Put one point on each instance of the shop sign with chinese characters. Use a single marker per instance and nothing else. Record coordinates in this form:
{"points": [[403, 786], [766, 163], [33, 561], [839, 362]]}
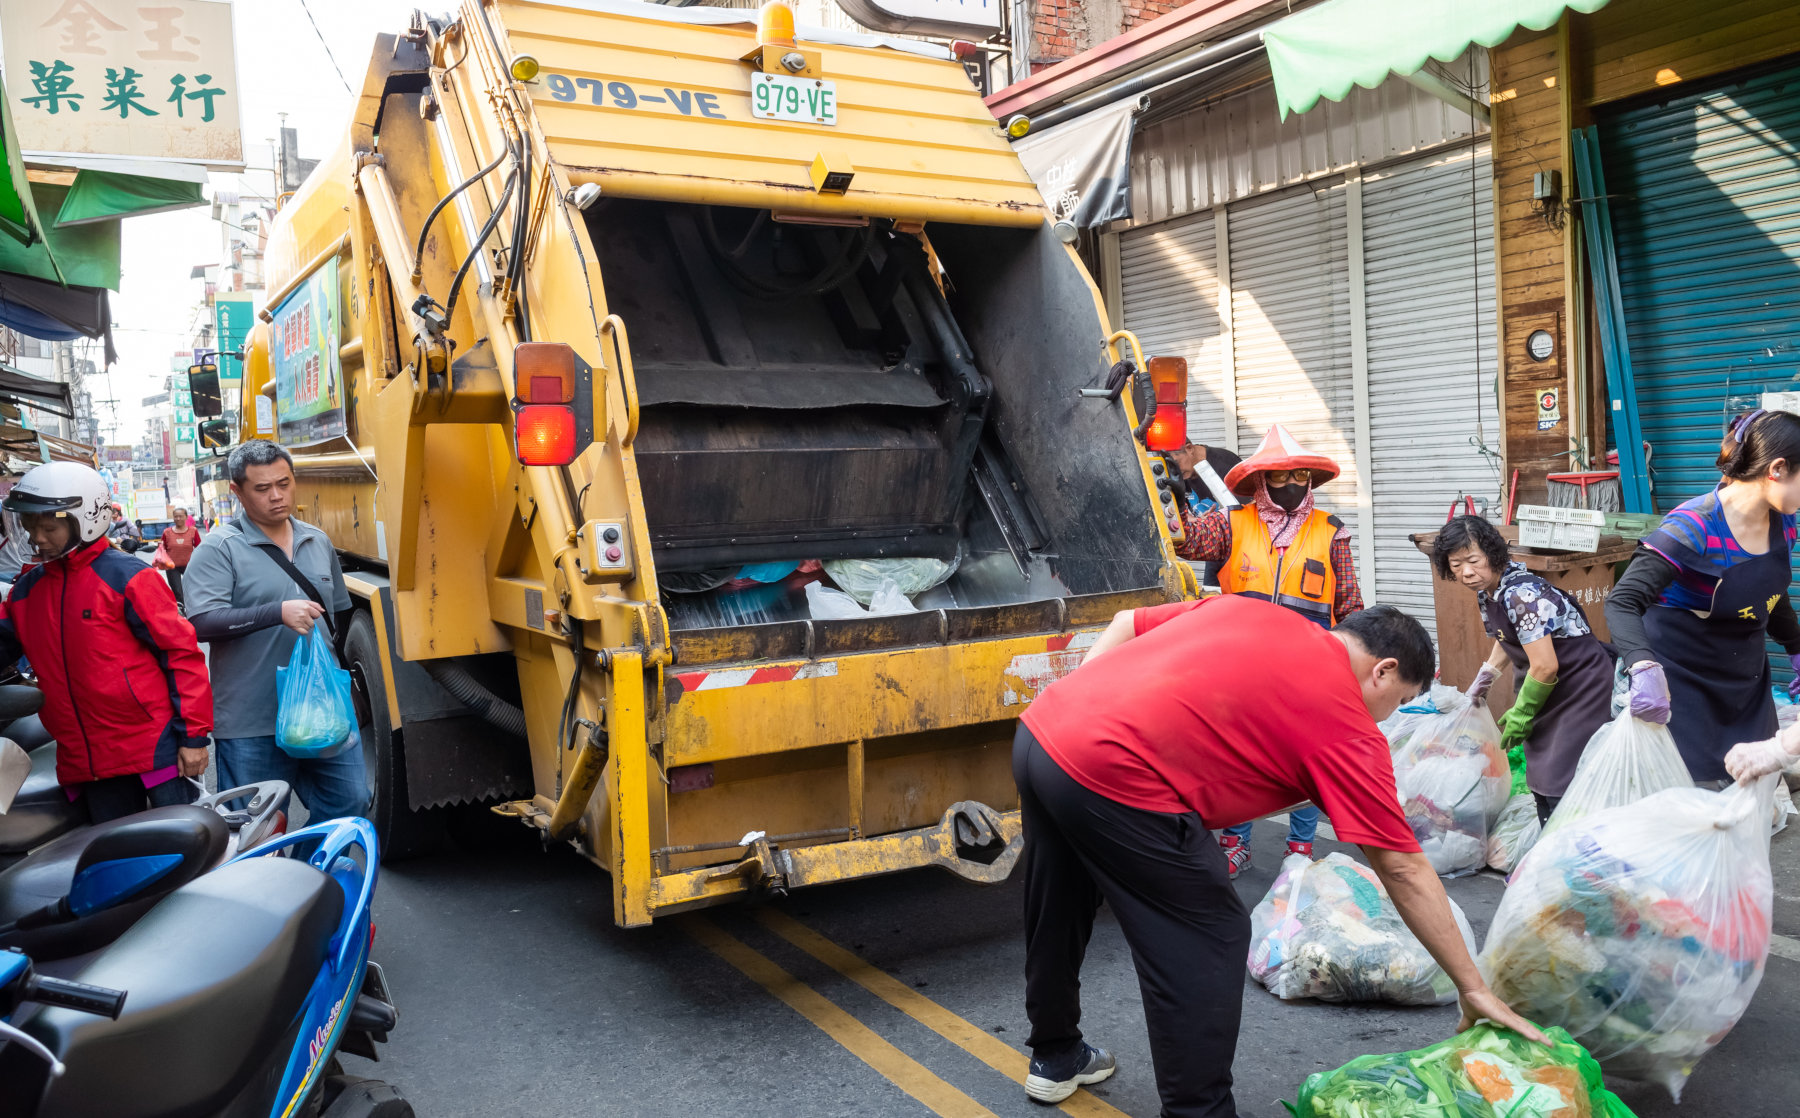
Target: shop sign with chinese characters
{"points": [[141, 78]]}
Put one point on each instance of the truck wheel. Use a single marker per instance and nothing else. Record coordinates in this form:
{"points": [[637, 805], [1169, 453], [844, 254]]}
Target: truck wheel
{"points": [[400, 831]]}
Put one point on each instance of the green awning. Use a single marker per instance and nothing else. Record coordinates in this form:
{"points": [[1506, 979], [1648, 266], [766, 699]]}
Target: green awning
{"points": [[100, 195], [80, 254], [1325, 50], [18, 217]]}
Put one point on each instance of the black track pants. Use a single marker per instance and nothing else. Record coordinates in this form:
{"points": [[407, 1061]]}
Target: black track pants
{"points": [[1165, 879]]}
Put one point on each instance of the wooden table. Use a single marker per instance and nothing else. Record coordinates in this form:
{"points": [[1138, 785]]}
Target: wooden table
{"points": [[1463, 643]]}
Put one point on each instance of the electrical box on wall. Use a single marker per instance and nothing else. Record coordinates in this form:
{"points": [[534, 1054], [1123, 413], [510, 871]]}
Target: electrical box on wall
{"points": [[1546, 186], [1535, 364]]}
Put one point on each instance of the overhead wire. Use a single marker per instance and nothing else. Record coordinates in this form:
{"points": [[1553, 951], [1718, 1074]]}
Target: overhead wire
{"points": [[327, 46]]}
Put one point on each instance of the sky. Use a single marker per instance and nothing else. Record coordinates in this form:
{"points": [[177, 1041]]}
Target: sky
{"points": [[282, 68]]}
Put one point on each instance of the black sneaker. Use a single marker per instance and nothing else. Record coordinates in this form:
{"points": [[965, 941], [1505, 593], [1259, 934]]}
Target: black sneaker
{"points": [[1052, 1081]]}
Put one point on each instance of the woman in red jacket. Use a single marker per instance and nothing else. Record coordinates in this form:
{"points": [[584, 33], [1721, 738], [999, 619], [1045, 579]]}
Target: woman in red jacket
{"points": [[125, 688], [179, 542]]}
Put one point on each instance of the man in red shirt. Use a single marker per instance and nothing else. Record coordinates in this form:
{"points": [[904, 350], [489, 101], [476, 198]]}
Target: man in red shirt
{"points": [[1126, 764], [179, 543]]}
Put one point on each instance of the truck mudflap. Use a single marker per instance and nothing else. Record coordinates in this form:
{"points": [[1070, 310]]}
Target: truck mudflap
{"points": [[973, 841]]}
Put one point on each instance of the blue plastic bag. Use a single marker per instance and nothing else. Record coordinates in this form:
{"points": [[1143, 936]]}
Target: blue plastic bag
{"points": [[315, 715]]}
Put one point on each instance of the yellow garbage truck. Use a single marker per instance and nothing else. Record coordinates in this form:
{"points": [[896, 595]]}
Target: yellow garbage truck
{"points": [[627, 353]]}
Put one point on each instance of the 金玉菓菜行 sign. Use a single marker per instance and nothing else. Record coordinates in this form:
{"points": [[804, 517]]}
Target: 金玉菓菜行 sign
{"points": [[139, 78], [303, 348]]}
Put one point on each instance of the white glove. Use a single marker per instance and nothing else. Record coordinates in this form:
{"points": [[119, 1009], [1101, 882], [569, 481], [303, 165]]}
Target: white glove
{"points": [[1751, 760]]}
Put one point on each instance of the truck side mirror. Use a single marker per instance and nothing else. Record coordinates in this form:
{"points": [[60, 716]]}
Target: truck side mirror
{"points": [[213, 434], [203, 386]]}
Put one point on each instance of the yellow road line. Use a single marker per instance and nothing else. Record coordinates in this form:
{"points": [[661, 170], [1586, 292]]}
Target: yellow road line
{"points": [[902, 1070], [989, 1049]]}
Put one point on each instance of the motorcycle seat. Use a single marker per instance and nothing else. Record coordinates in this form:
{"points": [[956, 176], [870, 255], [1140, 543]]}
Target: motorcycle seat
{"points": [[43, 877], [215, 976], [29, 733], [41, 810]]}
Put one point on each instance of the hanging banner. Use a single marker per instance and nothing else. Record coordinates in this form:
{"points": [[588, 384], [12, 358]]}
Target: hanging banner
{"points": [[309, 397], [233, 316], [1083, 167], [124, 77]]}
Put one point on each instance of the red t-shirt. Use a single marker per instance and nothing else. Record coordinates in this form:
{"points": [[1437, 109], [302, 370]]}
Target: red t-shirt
{"points": [[1232, 707], [180, 543]]}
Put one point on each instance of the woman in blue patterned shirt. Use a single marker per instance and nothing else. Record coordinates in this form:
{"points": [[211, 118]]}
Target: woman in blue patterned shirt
{"points": [[1707, 589]]}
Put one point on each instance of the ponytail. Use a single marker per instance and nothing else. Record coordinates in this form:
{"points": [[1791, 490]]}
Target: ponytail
{"points": [[1758, 439]]}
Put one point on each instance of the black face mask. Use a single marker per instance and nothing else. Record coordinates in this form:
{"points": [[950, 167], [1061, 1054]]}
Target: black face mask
{"points": [[1288, 496]]}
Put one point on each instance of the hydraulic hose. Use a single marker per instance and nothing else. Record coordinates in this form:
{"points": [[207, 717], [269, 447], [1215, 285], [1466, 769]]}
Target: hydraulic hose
{"points": [[467, 690], [481, 238], [425, 230]]}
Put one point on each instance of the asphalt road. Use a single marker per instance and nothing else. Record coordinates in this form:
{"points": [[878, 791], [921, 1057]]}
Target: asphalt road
{"points": [[899, 996]]}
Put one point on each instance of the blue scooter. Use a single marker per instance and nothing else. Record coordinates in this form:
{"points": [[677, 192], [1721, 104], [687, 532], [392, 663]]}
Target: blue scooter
{"points": [[231, 997]]}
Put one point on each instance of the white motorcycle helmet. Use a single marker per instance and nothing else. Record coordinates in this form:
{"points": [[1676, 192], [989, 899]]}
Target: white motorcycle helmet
{"points": [[64, 489]]}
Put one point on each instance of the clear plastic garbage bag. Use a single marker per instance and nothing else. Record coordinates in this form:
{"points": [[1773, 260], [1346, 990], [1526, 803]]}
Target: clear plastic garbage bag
{"points": [[862, 578], [315, 715], [826, 604], [1482, 1073], [1642, 929], [1328, 930], [1626, 760], [1453, 779], [1515, 833]]}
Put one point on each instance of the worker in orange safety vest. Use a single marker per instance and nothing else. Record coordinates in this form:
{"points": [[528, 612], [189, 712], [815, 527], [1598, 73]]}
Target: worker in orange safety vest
{"points": [[1279, 546]]}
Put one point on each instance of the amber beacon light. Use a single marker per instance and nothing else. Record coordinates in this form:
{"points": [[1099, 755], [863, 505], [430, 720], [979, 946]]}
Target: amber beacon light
{"points": [[775, 25]]}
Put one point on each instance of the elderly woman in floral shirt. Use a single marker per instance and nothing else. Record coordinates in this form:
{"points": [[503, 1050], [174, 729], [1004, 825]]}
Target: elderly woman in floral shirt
{"points": [[1565, 673]]}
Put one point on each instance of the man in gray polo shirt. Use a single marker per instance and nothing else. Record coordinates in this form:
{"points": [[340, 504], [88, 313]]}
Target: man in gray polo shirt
{"points": [[251, 611]]}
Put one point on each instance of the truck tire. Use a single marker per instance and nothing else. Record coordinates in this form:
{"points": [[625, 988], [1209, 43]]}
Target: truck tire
{"points": [[400, 831]]}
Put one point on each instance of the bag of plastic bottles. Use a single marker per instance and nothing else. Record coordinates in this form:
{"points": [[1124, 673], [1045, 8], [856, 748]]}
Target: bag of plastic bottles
{"points": [[315, 715], [1328, 930], [1482, 1073], [1515, 834], [1626, 760], [1453, 780], [1642, 929]]}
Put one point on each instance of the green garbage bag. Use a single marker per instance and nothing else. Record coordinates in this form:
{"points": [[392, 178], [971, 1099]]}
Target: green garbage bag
{"points": [[1483, 1073]]}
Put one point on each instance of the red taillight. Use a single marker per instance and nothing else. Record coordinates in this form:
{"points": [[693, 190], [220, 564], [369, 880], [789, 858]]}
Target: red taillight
{"points": [[544, 435], [1168, 427]]}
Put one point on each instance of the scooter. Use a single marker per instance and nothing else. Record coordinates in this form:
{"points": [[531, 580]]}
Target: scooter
{"points": [[47, 843], [231, 997]]}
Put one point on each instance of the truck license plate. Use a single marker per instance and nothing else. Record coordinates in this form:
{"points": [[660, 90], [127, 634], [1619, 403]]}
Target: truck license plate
{"points": [[782, 97]]}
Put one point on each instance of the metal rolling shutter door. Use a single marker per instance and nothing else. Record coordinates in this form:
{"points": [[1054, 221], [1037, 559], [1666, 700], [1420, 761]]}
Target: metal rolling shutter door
{"points": [[1290, 305], [1706, 217], [1428, 265], [1169, 292]]}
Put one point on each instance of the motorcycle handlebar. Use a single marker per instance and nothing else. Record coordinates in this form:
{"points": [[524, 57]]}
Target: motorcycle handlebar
{"points": [[98, 1000]]}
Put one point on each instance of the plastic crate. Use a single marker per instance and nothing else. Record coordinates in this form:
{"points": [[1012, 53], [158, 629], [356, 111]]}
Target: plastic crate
{"points": [[1549, 528]]}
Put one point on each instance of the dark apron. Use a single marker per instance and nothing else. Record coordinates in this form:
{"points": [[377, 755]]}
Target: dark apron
{"points": [[1579, 704], [1718, 666]]}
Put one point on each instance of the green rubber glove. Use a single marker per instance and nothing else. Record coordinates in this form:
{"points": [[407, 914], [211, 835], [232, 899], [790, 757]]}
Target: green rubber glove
{"points": [[1515, 724], [1515, 758]]}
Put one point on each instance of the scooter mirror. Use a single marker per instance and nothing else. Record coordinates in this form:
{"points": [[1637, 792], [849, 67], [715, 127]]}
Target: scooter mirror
{"points": [[15, 766]]}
